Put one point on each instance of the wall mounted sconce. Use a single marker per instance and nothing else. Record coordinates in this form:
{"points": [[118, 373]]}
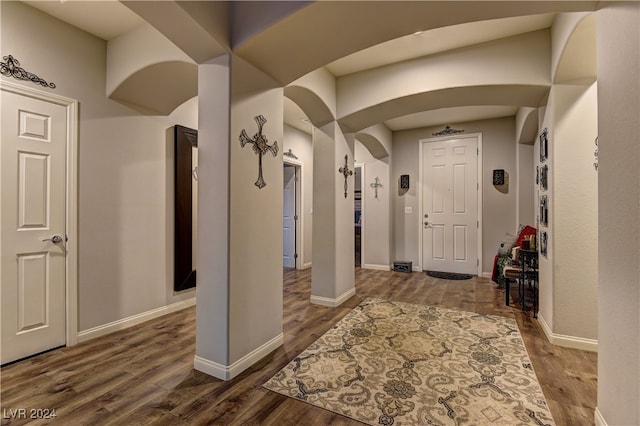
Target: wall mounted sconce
{"points": [[404, 181]]}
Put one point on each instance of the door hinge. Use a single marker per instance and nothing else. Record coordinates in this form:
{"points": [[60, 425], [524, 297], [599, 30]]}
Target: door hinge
{"points": [[295, 217], [477, 262], [295, 255]]}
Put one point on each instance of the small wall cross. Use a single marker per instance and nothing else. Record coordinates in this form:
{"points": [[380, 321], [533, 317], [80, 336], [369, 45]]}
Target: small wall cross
{"points": [[344, 170], [260, 147], [376, 185]]}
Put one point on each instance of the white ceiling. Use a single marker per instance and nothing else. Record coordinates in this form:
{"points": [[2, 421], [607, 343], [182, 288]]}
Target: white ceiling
{"points": [[109, 18]]}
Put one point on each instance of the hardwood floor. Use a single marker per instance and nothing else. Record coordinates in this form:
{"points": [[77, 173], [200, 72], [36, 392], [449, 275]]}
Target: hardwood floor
{"points": [[145, 375]]}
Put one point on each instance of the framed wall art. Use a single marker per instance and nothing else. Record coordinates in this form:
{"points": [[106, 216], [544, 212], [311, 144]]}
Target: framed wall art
{"points": [[544, 145], [404, 181], [543, 243], [544, 177], [544, 210]]}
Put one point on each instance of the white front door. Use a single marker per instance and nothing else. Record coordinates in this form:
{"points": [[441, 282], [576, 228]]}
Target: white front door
{"points": [[450, 205], [34, 144], [288, 217]]}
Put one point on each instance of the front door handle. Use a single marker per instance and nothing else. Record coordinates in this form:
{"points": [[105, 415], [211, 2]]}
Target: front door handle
{"points": [[56, 239]]}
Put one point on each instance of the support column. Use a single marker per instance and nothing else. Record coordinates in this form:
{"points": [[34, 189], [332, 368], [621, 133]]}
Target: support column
{"points": [[332, 279], [618, 39], [239, 288]]}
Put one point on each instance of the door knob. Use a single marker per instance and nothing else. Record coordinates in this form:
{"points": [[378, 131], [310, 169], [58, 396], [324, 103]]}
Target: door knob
{"points": [[55, 239], [426, 223]]}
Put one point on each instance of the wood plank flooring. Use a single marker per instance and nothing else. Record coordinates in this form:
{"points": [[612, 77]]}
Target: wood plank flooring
{"points": [[144, 375]]}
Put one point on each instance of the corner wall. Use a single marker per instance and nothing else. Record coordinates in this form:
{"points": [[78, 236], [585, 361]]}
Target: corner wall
{"points": [[618, 41], [575, 213]]}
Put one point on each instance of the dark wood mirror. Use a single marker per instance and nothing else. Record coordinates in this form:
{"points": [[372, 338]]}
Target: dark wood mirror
{"points": [[185, 178]]}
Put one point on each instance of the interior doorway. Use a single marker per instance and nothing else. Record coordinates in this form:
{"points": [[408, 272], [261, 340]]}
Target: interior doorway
{"points": [[451, 205], [39, 234], [291, 216]]}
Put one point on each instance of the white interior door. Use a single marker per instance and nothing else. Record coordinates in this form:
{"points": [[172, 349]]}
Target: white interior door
{"points": [[288, 217], [34, 143], [450, 206]]}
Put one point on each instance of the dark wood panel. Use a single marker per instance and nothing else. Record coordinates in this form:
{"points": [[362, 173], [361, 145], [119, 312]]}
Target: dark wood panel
{"points": [[145, 375]]}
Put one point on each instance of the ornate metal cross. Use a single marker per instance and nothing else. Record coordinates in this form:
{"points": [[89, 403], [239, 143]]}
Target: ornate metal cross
{"points": [[260, 147], [344, 170], [376, 185]]}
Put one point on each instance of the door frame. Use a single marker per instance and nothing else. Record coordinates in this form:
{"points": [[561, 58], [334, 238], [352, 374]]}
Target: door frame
{"points": [[299, 176], [421, 142], [71, 202]]}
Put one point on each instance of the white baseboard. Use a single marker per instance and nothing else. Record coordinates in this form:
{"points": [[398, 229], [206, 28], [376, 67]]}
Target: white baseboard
{"points": [[487, 275], [333, 303], [376, 267], [306, 266], [598, 418], [567, 341], [417, 269], [123, 323], [228, 372]]}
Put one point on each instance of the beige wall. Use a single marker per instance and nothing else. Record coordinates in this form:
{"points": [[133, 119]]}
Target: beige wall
{"points": [[212, 323], [375, 237], [124, 198], [618, 42], [239, 311], [568, 284], [333, 243], [526, 184], [255, 225], [575, 212], [545, 263], [499, 209]]}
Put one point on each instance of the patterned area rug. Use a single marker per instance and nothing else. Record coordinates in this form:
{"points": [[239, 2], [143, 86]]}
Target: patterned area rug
{"points": [[394, 363]]}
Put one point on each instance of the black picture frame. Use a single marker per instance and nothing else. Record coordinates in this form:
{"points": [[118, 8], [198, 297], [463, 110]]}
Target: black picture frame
{"points": [[544, 177], [544, 145], [544, 210]]}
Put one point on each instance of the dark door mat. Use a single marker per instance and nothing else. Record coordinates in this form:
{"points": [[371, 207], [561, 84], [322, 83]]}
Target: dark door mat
{"points": [[448, 275]]}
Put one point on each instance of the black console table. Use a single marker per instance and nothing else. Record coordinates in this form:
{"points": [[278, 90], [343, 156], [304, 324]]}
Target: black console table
{"points": [[528, 282]]}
